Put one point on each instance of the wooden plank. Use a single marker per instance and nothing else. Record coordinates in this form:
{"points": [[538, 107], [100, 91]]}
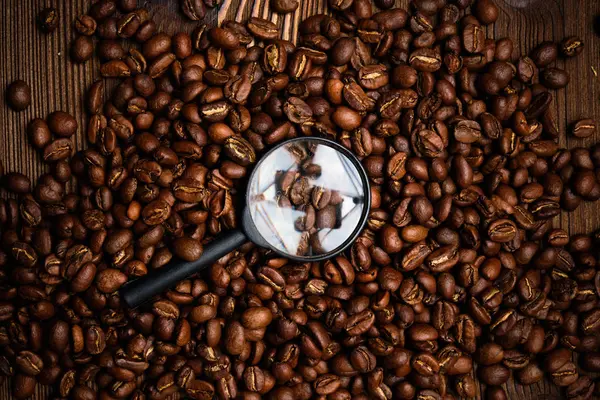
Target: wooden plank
{"points": [[57, 84]]}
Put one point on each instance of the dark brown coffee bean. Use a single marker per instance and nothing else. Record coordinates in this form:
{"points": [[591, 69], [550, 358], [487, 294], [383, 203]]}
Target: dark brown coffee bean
{"points": [[284, 6], [591, 362], [187, 249], [199, 390], [545, 53], [115, 69], [473, 38], [156, 212], [571, 46], [486, 11], [239, 150], [583, 128], [425, 60], [327, 384], [29, 363], [526, 69], [62, 124], [494, 374], [582, 388], [254, 379], [109, 280], [18, 95], [103, 9], [195, 10], [384, 4], [48, 21], [530, 374], [538, 106], [392, 19], [23, 386], [82, 49], [256, 318], [565, 375], [555, 78], [39, 133], [262, 28], [58, 150], [224, 38], [17, 183], [95, 97], [81, 392], [85, 25]]}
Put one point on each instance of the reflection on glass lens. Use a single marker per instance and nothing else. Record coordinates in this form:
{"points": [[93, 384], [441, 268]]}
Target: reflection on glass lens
{"points": [[306, 198]]}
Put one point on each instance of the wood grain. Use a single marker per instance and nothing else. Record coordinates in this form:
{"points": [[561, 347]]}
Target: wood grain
{"points": [[57, 84]]}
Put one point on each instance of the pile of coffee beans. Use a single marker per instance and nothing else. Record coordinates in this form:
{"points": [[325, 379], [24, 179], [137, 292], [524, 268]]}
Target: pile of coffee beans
{"points": [[459, 279]]}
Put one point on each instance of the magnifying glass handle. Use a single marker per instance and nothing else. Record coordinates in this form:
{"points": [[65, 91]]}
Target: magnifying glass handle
{"points": [[157, 281]]}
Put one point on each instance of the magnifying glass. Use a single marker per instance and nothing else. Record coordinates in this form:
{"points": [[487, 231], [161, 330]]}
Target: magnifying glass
{"points": [[307, 199]]}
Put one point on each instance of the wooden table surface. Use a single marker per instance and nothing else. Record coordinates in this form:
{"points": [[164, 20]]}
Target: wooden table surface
{"points": [[57, 84]]}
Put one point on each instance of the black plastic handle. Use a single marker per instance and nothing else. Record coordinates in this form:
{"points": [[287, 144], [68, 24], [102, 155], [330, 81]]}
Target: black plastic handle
{"points": [[141, 290]]}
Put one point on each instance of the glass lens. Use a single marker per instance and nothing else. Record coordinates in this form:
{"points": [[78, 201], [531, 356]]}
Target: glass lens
{"points": [[307, 198]]}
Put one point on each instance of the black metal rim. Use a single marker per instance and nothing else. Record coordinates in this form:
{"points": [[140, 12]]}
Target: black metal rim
{"points": [[367, 189]]}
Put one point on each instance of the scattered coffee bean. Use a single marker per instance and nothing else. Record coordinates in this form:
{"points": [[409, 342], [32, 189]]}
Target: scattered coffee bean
{"points": [[284, 6], [584, 128], [18, 95], [48, 19], [571, 46]]}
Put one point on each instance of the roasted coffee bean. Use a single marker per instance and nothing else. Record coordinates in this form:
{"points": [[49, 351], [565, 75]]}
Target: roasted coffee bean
{"points": [[583, 128], [23, 386], [39, 133], [17, 183], [473, 38], [458, 262], [284, 6], [18, 95], [58, 150], [62, 124], [486, 11], [256, 318], [29, 363], [187, 249], [555, 78], [82, 49], [571, 46], [109, 280], [544, 54], [262, 28], [115, 69], [195, 10], [48, 20], [85, 25], [530, 374], [494, 374]]}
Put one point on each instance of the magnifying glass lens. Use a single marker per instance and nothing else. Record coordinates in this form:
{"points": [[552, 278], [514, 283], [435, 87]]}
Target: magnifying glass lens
{"points": [[307, 199]]}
